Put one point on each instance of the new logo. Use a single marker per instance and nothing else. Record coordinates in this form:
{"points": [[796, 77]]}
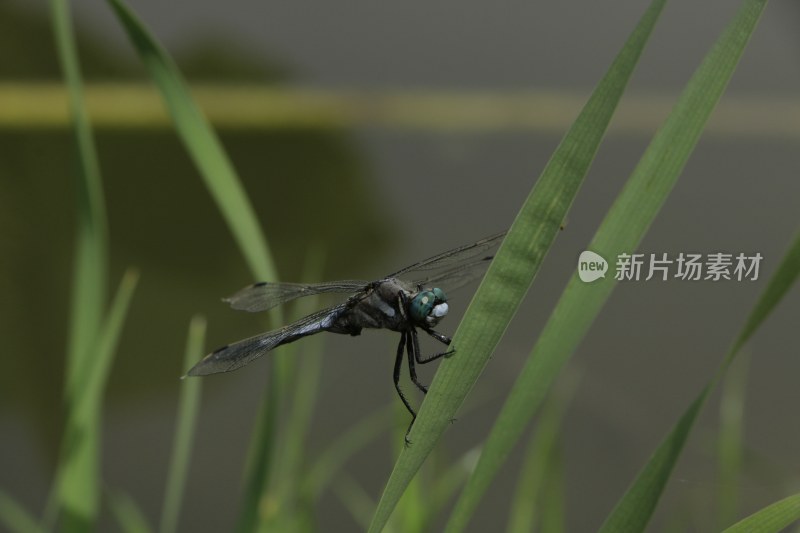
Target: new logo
{"points": [[591, 266]]}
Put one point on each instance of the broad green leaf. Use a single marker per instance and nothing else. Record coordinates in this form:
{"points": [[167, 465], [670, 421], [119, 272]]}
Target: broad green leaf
{"points": [[184, 431], [514, 267]]}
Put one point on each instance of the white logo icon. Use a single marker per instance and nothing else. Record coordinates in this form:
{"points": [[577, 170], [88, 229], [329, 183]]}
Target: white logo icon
{"points": [[591, 266]]}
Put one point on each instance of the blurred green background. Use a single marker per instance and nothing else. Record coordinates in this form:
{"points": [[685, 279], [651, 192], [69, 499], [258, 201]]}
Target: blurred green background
{"points": [[374, 195]]}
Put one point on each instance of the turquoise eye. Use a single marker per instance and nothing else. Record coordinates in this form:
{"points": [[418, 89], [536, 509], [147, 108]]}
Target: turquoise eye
{"points": [[439, 294], [422, 305]]}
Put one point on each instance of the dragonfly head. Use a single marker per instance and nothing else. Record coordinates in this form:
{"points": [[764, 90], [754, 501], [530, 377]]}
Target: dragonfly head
{"points": [[428, 307]]}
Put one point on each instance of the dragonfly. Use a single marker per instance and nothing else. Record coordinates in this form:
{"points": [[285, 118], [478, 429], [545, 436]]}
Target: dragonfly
{"points": [[406, 301]]}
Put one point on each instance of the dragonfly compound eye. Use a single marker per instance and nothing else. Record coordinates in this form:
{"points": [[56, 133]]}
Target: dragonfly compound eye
{"points": [[429, 307]]}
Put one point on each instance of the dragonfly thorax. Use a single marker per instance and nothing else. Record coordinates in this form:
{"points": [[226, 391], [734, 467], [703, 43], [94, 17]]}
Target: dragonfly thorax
{"points": [[428, 307]]}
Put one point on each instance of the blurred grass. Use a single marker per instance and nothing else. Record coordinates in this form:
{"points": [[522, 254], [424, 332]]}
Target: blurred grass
{"points": [[292, 484], [186, 418], [242, 107], [536, 497], [78, 475], [16, 518], [128, 515], [730, 442], [636, 506], [93, 335], [226, 189]]}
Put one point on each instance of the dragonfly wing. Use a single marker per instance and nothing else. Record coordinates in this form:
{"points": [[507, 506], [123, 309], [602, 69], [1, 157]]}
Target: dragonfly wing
{"points": [[266, 295], [454, 268], [238, 354], [483, 249], [457, 276]]}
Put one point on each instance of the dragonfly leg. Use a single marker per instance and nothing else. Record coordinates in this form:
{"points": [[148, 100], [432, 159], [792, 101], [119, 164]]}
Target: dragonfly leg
{"points": [[398, 364], [444, 339], [438, 336], [413, 355]]}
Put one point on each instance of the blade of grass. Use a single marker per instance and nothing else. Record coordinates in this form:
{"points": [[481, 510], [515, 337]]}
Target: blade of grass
{"points": [[128, 515], [225, 187], [89, 276], [356, 500], [771, 519], [730, 448], [553, 504], [514, 267], [335, 455], [78, 475], [91, 261], [633, 511], [15, 517], [447, 484], [621, 231], [410, 513], [184, 432], [202, 144], [541, 452], [303, 374]]}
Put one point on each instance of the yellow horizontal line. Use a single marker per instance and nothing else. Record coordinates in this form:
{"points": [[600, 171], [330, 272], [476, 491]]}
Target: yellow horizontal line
{"points": [[25, 106]]}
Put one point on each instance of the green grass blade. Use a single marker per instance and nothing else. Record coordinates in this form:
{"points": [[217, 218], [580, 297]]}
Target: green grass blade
{"points": [[553, 508], [533, 480], [259, 458], [621, 231], [332, 459], [305, 371], [730, 445], [184, 432], [635, 508], [779, 284], [356, 500], [202, 144], [220, 177], [15, 517], [78, 476], [128, 515], [771, 519], [446, 484], [90, 271], [514, 267], [89, 276]]}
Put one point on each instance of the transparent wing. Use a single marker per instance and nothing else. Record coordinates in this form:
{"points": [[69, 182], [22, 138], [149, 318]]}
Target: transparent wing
{"points": [[240, 353], [454, 268], [266, 295], [457, 276]]}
